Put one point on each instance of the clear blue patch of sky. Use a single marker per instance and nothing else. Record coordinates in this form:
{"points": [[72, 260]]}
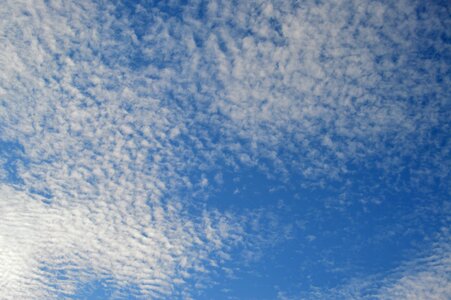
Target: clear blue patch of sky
{"points": [[11, 155]]}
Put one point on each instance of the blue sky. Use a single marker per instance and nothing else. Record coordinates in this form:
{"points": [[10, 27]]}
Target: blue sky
{"points": [[225, 149]]}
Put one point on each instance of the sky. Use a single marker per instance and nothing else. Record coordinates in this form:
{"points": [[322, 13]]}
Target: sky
{"points": [[225, 149]]}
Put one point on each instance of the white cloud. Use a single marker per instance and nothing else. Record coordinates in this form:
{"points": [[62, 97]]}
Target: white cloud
{"points": [[153, 247], [114, 119], [292, 75], [111, 173], [423, 276]]}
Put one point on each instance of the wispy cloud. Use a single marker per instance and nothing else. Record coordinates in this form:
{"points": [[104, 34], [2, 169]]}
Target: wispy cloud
{"points": [[424, 276]]}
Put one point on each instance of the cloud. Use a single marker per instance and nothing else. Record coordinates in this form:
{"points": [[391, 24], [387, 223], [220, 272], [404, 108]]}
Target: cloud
{"points": [[119, 112], [332, 84], [426, 277], [103, 164], [423, 276], [154, 248]]}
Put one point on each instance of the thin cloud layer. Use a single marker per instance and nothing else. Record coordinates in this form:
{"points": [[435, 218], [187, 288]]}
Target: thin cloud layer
{"points": [[425, 276], [117, 114]]}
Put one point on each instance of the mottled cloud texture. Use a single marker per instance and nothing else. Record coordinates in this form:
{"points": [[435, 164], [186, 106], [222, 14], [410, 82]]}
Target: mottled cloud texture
{"points": [[114, 115]]}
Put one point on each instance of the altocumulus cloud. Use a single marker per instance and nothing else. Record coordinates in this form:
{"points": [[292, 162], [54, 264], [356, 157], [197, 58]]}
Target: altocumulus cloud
{"points": [[115, 112], [96, 196]]}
